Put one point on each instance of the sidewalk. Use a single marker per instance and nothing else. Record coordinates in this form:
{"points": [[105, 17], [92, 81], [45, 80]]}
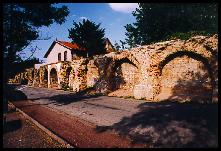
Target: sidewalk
{"points": [[76, 132], [22, 133]]}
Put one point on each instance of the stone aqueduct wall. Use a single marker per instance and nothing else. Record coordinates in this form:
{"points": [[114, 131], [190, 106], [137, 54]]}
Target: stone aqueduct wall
{"points": [[176, 69]]}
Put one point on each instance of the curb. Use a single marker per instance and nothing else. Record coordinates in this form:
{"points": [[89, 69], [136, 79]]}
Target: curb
{"points": [[47, 131]]}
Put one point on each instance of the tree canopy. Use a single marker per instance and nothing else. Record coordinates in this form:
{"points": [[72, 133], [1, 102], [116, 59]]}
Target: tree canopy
{"points": [[20, 27], [116, 46], [156, 22], [89, 36]]}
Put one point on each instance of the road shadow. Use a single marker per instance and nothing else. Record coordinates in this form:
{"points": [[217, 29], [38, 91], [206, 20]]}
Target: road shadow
{"points": [[11, 126], [170, 123], [167, 124], [65, 99], [12, 94]]}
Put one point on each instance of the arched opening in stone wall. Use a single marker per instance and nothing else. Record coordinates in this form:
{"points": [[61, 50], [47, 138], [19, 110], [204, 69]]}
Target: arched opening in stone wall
{"points": [[186, 76], [68, 71], [24, 81], [123, 77], [68, 76], [46, 74], [32, 74], [45, 77], [53, 78]]}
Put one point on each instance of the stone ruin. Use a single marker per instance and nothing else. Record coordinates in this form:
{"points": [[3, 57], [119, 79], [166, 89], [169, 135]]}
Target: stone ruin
{"points": [[180, 70]]}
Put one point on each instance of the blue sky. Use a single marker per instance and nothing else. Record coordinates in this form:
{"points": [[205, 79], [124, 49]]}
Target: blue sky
{"points": [[113, 18]]}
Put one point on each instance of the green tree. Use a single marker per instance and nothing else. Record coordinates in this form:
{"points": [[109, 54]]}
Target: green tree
{"points": [[21, 22], [116, 46], [123, 43], [88, 36], [156, 22]]}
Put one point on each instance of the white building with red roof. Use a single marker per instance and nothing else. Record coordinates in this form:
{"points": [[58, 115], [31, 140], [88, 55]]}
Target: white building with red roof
{"points": [[67, 51], [62, 51]]}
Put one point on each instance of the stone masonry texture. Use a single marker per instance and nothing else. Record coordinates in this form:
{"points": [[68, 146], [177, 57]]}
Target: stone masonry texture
{"points": [[180, 70]]}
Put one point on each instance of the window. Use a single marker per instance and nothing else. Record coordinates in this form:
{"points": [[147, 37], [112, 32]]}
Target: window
{"points": [[59, 56], [65, 56]]}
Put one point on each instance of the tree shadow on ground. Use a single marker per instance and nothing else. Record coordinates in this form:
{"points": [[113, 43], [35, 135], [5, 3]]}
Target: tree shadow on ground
{"points": [[170, 123], [12, 126], [167, 124], [61, 99], [12, 94], [65, 99]]}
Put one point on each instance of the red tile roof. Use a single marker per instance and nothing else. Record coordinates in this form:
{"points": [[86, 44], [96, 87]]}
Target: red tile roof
{"points": [[66, 44], [69, 45]]}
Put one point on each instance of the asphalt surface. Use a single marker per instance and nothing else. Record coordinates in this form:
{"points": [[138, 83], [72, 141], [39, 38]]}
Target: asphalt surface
{"points": [[89, 108], [164, 124]]}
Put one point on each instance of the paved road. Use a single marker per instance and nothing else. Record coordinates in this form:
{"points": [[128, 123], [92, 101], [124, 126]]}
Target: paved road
{"points": [[100, 110], [163, 124]]}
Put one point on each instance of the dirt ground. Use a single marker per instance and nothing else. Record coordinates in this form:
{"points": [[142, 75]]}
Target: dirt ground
{"points": [[20, 132]]}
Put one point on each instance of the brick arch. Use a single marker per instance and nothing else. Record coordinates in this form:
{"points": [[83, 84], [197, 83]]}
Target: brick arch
{"points": [[54, 69], [197, 45], [205, 49], [122, 57], [43, 73], [53, 77], [49, 69], [69, 69], [33, 74], [157, 68], [190, 54], [116, 62], [130, 57]]}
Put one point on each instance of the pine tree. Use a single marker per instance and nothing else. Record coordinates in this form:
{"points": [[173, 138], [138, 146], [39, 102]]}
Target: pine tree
{"points": [[88, 36]]}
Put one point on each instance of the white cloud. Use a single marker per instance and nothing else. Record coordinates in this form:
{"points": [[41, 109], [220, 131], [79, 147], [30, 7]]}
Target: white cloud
{"points": [[124, 7], [82, 18]]}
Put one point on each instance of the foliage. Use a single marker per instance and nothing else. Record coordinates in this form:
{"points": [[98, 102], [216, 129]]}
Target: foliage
{"points": [[156, 22], [116, 46], [22, 65], [123, 43], [20, 27], [64, 86], [185, 36], [88, 36]]}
